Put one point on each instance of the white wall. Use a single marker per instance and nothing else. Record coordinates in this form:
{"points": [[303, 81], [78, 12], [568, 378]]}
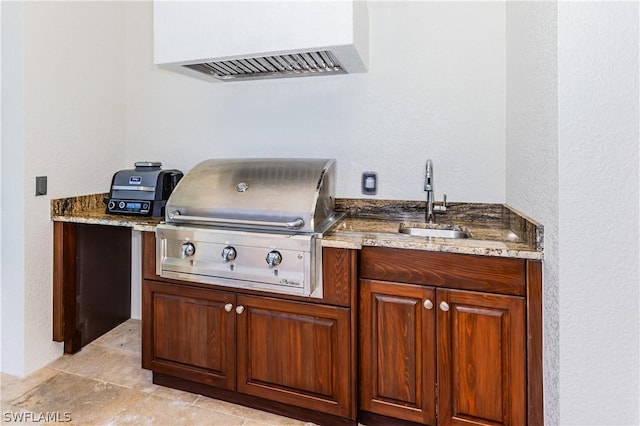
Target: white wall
{"points": [[12, 172], [0, 180], [573, 120], [435, 89], [73, 132], [532, 155], [599, 143]]}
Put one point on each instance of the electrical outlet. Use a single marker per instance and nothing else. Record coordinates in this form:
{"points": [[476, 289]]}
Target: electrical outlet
{"points": [[369, 183], [41, 185]]}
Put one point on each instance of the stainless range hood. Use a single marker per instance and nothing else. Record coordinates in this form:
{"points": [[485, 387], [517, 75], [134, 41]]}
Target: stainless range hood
{"points": [[248, 40]]}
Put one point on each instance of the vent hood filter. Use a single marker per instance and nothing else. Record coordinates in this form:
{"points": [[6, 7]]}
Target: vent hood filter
{"points": [[249, 40], [295, 65]]}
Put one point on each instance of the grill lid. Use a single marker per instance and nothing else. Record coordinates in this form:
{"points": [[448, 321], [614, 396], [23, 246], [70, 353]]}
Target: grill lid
{"points": [[273, 194]]}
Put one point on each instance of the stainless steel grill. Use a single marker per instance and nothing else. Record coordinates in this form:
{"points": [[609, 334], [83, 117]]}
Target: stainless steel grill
{"points": [[291, 65], [250, 223]]}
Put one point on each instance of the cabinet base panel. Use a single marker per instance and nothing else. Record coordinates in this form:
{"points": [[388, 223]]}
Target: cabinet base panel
{"points": [[372, 419], [251, 401]]}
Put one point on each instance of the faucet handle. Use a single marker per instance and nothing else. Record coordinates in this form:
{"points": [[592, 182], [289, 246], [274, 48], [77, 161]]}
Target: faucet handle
{"points": [[443, 207]]}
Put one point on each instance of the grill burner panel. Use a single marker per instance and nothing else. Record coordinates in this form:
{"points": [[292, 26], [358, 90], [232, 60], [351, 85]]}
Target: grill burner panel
{"points": [[196, 254]]}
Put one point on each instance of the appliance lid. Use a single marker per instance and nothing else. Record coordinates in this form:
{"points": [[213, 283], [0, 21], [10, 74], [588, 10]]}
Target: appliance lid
{"points": [[144, 178], [248, 40], [285, 194]]}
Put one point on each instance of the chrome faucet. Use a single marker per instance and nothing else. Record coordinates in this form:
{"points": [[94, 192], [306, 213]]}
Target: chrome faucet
{"points": [[428, 187]]}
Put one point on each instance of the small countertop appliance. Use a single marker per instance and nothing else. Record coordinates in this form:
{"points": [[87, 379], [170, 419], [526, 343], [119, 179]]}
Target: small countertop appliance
{"points": [[143, 191]]}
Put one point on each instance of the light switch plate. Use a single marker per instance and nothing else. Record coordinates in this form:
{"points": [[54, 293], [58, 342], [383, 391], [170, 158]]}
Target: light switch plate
{"points": [[41, 185]]}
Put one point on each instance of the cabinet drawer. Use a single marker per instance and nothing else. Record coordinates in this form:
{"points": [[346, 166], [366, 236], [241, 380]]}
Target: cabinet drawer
{"points": [[461, 271]]}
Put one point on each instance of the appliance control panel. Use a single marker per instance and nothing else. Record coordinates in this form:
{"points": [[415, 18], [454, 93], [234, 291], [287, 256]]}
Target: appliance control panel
{"points": [[129, 206], [280, 263]]}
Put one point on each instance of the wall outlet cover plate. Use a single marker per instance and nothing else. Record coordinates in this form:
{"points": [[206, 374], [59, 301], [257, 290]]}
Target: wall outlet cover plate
{"points": [[369, 183]]}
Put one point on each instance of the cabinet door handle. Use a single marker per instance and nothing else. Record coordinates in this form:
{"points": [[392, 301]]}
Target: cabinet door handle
{"points": [[228, 307], [239, 309], [428, 304], [444, 306]]}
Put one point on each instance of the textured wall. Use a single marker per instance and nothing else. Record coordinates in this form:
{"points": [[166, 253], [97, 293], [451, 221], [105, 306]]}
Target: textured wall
{"points": [[598, 124], [12, 171], [1, 181], [572, 143], [75, 116], [532, 154], [435, 89], [73, 132]]}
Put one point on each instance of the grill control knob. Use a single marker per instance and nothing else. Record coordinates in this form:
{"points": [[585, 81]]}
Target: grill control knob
{"points": [[228, 254], [274, 258], [112, 205], [188, 249]]}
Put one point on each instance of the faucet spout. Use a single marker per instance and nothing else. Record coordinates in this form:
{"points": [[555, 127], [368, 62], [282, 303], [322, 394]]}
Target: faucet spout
{"points": [[428, 187], [428, 176]]}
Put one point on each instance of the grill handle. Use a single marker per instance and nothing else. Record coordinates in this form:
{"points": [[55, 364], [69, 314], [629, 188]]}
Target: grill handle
{"points": [[294, 224]]}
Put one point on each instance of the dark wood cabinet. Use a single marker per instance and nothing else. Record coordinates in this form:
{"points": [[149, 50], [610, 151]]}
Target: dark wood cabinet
{"points": [[432, 354], [189, 333], [296, 353], [292, 352], [481, 359], [397, 351], [287, 351], [429, 338]]}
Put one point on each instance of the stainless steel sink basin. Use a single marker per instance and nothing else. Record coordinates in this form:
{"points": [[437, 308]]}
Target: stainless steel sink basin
{"points": [[434, 230]]}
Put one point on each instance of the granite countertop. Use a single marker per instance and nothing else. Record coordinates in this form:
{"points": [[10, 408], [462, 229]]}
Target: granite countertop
{"points": [[91, 209], [496, 229]]}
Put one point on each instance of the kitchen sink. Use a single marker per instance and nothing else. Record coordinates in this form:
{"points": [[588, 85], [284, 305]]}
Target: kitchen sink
{"points": [[434, 230]]}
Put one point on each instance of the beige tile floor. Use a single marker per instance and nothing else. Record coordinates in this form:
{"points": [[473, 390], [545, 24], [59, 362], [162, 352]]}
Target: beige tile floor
{"points": [[104, 385]]}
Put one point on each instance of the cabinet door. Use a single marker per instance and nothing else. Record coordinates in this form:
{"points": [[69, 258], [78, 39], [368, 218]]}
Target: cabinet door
{"points": [[296, 353], [189, 333], [481, 359], [397, 350]]}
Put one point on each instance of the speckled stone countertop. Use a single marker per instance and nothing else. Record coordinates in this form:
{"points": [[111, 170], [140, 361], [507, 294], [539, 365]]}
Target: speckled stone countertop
{"points": [[496, 229], [91, 209]]}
